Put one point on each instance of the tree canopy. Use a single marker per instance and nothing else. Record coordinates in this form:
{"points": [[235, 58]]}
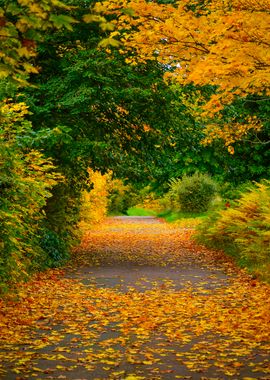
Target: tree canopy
{"points": [[217, 43]]}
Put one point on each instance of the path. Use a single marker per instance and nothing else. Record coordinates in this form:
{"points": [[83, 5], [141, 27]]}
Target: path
{"points": [[138, 301]]}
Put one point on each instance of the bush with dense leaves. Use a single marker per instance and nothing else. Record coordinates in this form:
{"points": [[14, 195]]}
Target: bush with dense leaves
{"points": [[243, 229], [192, 193], [26, 180], [121, 196], [55, 248], [149, 200], [94, 202]]}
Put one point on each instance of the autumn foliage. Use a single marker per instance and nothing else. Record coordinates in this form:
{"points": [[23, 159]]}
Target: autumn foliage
{"points": [[244, 225], [218, 43], [94, 203]]}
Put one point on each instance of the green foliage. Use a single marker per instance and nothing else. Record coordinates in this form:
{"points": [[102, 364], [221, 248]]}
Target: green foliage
{"points": [[243, 229], [23, 23], [250, 161], [231, 192], [106, 103], [55, 251], [136, 211], [118, 200], [192, 193], [171, 216], [121, 197], [26, 178], [62, 211]]}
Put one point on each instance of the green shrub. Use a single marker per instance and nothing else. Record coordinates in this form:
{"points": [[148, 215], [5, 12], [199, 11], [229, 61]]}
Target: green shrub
{"points": [[54, 247], [62, 212], [26, 180], [192, 193]]}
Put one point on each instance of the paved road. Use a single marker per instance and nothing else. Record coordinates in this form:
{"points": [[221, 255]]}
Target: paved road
{"points": [[149, 277]]}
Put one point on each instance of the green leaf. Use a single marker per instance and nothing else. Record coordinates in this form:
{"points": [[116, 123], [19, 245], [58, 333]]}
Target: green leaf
{"points": [[61, 21]]}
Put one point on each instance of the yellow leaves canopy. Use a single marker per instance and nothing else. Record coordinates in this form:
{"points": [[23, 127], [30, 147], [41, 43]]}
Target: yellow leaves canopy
{"points": [[221, 44]]}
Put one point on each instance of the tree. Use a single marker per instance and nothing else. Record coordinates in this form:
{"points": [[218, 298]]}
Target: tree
{"points": [[213, 43], [109, 114], [26, 176], [23, 24]]}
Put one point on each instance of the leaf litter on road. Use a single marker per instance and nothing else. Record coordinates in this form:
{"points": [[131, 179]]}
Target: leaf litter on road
{"points": [[56, 326]]}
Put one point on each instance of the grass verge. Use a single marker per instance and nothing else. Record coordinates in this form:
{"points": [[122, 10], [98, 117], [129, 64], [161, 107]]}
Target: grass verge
{"points": [[172, 216], [137, 211]]}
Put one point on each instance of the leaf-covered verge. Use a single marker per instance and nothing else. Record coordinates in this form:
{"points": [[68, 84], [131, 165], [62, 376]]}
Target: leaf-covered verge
{"points": [[243, 230], [68, 326]]}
